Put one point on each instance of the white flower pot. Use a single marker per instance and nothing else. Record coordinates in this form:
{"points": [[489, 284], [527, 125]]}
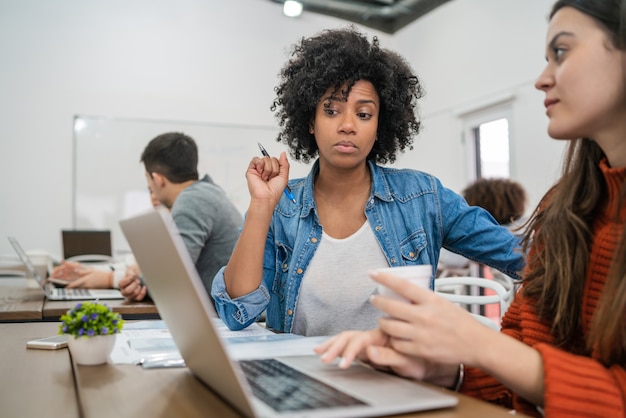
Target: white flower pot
{"points": [[91, 351]]}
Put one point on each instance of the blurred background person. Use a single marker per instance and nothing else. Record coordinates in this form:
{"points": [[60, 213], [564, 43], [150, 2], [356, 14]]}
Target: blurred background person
{"points": [[504, 199]]}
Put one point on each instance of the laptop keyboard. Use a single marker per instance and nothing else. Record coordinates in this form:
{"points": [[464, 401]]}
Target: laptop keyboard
{"points": [[72, 292], [286, 389]]}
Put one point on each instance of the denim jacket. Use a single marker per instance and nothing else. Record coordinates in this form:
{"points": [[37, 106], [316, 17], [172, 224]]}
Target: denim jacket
{"points": [[412, 216]]}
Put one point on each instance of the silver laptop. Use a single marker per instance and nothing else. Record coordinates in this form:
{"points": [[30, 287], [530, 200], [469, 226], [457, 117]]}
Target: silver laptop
{"points": [[276, 387], [59, 293]]}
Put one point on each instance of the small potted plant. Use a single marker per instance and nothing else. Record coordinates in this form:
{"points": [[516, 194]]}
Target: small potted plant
{"points": [[92, 328]]}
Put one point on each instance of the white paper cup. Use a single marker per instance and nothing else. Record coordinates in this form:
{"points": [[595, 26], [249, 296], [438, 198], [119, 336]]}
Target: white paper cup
{"points": [[419, 275]]}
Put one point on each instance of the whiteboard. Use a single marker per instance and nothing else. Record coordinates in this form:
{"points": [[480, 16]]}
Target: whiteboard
{"points": [[109, 182]]}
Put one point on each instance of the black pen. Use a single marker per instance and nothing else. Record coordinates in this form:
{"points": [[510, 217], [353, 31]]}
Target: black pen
{"points": [[287, 189]]}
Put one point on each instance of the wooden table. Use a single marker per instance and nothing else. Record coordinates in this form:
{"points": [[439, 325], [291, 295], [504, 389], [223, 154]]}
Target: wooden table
{"points": [[42, 383], [22, 300], [35, 383], [53, 309]]}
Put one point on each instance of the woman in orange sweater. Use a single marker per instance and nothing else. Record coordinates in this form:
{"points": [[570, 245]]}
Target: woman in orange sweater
{"points": [[562, 349]]}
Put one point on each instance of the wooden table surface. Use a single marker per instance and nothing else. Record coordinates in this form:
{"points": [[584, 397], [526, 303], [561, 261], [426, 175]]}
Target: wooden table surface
{"points": [[53, 309], [47, 384], [35, 383], [22, 300]]}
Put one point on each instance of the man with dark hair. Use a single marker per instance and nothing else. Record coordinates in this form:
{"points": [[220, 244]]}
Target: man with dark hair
{"points": [[174, 155], [207, 220]]}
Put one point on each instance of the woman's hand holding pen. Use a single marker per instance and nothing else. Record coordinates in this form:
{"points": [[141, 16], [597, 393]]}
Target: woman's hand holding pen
{"points": [[267, 178]]}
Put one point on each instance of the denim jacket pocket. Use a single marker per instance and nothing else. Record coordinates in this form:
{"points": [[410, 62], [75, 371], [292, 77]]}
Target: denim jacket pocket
{"points": [[412, 246], [283, 254]]}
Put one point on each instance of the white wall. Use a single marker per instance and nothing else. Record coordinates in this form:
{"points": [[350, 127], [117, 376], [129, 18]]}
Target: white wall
{"points": [[217, 61], [468, 54]]}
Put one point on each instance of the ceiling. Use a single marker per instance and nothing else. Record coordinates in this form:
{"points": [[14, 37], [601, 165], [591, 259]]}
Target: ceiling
{"points": [[386, 16]]}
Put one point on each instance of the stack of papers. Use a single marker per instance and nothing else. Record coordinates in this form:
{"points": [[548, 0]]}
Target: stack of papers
{"points": [[150, 344]]}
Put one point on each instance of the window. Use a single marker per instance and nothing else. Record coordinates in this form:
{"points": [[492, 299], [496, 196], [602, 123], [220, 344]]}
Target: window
{"points": [[487, 145], [491, 145], [487, 139]]}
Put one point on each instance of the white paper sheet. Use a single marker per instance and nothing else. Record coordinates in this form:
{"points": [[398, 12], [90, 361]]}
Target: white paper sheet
{"points": [[150, 343]]}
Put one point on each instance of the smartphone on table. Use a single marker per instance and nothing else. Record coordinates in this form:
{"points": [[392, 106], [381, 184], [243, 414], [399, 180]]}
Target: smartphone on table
{"points": [[48, 343]]}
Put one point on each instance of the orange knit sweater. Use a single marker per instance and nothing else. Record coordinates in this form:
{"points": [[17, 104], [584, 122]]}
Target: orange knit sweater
{"points": [[575, 386]]}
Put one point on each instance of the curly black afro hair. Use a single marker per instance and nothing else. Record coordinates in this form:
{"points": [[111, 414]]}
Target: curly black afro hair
{"points": [[337, 58]]}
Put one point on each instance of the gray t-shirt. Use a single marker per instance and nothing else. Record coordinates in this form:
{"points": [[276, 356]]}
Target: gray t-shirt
{"points": [[335, 290], [209, 224]]}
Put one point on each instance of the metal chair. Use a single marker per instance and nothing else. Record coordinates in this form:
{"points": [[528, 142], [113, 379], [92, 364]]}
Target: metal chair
{"points": [[509, 284], [92, 258], [444, 287]]}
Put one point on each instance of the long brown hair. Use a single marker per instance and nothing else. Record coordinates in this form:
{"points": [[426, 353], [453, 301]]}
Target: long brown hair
{"points": [[560, 232]]}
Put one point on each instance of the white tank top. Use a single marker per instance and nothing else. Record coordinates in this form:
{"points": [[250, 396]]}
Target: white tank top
{"points": [[335, 290]]}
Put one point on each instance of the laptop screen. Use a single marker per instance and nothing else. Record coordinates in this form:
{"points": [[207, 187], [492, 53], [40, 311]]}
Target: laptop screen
{"points": [[83, 241], [26, 260]]}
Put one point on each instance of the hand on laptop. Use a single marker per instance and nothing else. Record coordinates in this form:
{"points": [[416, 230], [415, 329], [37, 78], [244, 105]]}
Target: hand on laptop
{"points": [[350, 346], [374, 348], [426, 339], [132, 286], [79, 276], [67, 270]]}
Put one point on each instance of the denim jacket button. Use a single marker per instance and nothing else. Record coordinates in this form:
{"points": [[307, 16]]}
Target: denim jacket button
{"points": [[393, 261], [289, 312], [378, 227], [299, 271], [411, 254], [314, 240]]}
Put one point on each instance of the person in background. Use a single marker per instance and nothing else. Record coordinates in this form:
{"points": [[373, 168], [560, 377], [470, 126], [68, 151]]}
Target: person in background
{"points": [[562, 349], [207, 220], [349, 105], [503, 198]]}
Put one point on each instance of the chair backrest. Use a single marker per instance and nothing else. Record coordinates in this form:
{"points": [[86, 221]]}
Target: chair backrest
{"points": [[92, 258], [509, 284], [501, 296]]}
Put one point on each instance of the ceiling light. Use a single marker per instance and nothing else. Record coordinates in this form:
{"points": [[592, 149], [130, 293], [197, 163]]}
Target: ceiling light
{"points": [[292, 8]]}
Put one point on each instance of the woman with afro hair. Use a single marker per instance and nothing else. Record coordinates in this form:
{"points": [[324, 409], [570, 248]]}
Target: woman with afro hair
{"points": [[350, 106]]}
